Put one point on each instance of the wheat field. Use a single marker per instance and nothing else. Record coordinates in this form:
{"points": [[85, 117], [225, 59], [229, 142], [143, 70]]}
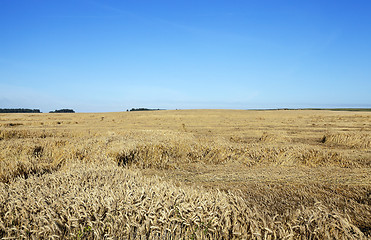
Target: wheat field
{"points": [[186, 174]]}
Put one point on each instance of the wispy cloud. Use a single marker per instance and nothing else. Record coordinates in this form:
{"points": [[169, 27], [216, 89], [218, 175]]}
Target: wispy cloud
{"points": [[117, 11], [155, 20], [84, 16]]}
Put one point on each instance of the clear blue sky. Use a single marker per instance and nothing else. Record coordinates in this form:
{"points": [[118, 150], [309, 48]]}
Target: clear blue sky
{"points": [[96, 56]]}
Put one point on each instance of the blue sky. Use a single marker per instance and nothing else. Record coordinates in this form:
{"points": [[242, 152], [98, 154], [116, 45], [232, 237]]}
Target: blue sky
{"points": [[97, 56]]}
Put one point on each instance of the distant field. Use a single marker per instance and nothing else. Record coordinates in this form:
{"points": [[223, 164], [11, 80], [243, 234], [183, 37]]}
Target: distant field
{"points": [[318, 109], [192, 174], [345, 109]]}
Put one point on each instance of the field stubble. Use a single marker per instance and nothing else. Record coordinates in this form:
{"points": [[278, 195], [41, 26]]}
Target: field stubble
{"points": [[173, 174]]}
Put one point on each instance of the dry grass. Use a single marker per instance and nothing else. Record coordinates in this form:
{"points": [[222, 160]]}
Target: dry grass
{"points": [[221, 174]]}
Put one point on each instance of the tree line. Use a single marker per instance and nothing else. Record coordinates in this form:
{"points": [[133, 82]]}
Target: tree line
{"points": [[19, 110], [142, 109], [63, 111], [26, 110]]}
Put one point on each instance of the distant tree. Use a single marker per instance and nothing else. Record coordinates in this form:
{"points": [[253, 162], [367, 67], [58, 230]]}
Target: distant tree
{"points": [[63, 111], [19, 110]]}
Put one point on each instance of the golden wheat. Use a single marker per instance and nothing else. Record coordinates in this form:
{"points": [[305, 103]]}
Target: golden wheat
{"points": [[353, 140], [225, 175], [90, 201]]}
